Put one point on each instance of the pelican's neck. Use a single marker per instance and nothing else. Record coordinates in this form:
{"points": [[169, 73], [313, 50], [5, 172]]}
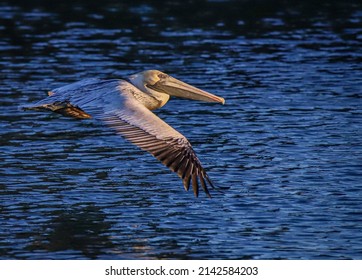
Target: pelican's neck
{"points": [[151, 99]]}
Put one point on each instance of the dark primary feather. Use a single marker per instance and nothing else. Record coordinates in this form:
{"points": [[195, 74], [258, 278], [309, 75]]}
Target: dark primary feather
{"points": [[176, 154]]}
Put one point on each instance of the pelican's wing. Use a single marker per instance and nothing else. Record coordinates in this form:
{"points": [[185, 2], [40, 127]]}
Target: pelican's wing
{"points": [[113, 102]]}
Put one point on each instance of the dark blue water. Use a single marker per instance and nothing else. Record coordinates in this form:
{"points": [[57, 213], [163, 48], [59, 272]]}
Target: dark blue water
{"points": [[287, 142]]}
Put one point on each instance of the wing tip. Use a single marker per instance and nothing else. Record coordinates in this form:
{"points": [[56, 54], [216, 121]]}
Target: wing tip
{"points": [[198, 180]]}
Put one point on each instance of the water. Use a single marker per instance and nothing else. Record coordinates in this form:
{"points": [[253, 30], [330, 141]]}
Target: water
{"points": [[287, 142]]}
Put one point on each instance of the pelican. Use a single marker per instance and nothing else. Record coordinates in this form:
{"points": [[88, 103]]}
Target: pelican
{"points": [[126, 105]]}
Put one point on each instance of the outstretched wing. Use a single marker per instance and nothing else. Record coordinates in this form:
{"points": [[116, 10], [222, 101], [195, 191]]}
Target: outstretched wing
{"points": [[113, 102]]}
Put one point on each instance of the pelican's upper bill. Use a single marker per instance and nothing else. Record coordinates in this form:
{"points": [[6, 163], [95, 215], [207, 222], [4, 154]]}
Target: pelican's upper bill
{"points": [[125, 105]]}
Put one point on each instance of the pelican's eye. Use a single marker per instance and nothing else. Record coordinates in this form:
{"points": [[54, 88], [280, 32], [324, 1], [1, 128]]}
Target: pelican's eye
{"points": [[162, 76]]}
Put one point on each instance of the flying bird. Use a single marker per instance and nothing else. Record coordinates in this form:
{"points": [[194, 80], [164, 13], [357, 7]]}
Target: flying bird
{"points": [[126, 105]]}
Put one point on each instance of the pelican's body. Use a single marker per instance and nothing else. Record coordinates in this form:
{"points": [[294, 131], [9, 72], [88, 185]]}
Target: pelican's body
{"points": [[126, 106]]}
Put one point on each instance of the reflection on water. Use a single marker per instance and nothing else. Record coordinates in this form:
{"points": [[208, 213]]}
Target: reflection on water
{"points": [[287, 141], [80, 231]]}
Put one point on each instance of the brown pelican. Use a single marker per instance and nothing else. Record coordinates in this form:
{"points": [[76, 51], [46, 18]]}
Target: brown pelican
{"points": [[126, 105]]}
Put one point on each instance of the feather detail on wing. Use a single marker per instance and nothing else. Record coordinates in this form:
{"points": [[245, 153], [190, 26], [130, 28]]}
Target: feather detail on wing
{"points": [[175, 153]]}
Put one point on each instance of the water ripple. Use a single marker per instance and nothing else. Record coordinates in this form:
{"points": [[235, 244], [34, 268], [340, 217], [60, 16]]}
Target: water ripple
{"points": [[286, 145]]}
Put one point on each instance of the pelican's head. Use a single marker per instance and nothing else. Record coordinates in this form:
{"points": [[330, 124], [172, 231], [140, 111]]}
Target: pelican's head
{"points": [[161, 86]]}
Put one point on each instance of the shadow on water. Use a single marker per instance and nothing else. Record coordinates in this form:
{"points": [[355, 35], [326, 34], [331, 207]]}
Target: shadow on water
{"points": [[79, 231]]}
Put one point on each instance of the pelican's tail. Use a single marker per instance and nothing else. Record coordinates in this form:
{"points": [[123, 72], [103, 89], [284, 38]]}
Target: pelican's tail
{"points": [[61, 107], [59, 99], [37, 107]]}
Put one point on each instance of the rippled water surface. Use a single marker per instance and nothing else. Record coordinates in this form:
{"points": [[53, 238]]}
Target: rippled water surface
{"points": [[287, 143]]}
